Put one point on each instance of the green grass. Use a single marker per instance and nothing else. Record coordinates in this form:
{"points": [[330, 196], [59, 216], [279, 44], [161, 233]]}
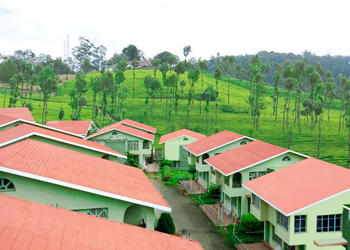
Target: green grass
{"points": [[334, 144]]}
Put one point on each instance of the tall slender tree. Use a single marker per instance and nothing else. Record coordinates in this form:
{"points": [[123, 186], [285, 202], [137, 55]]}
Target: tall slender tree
{"points": [[277, 76], [135, 64], [7, 71], [217, 76], [203, 66]]}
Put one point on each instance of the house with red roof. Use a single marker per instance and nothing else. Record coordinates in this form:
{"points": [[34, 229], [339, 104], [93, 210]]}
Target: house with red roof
{"points": [[173, 145], [81, 128], [128, 136], [30, 225], [19, 113], [236, 166], [41, 133], [64, 178], [210, 146], [301, 205]]}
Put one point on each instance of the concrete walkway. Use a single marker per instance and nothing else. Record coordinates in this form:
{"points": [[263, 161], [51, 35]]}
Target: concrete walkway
{"points": [[187, 215]]}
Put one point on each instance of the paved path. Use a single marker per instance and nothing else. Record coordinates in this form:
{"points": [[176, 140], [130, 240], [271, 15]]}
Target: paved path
{"points": [[187, 215]]}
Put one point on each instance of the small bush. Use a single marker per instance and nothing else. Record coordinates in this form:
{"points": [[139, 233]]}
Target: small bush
{"points": [[250, 224], [227, 109], [166, 173], [166, 224], [165, 163]]}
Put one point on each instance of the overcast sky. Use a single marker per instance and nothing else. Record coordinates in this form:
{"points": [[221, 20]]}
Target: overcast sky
{"points": [[230, 27]]}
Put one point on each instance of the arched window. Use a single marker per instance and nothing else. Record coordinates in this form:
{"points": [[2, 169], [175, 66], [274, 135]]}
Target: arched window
{"points": [[145, 145], [6, 185], [185, 139], [204, 157], [98, 212], [286, 158], [106, 157], [114, 133], [243, 143], [237, 180]]}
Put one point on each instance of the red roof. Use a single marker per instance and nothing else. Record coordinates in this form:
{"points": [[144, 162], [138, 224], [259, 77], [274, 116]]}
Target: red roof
{"points": [[20, 113], [76, 127], [125, 129], [300, 185], [179, 133], [31, 225], [212, 142], [88, 172], [6, 119], [139, 125], [244, 156], [27, 129]]}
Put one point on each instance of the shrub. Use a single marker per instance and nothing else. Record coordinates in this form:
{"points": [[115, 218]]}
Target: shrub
{"points": [[165, 224], [165, 163], [227, 109], [192, 169], [166, 173], [250, 224]]}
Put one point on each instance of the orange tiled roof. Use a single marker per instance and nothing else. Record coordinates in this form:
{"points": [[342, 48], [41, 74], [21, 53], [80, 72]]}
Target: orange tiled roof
{"points": [[212, 142], [139, 125], [125, 129], [300, 185], [181, 132], [31, 225], [244, 156], [83, 171], [6, 119], [76, 127], [27, 129], [20, 113]]}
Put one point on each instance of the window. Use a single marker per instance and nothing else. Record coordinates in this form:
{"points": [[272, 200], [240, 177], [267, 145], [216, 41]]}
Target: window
{"points": [[145, 145], [243, 143], [275, 237], [328, 223], [234, 201], [256, 201], [213, 172], [6, 185], [227, 180], [204, 157], [133, 145], [237, 180], [254, 175], [114, 133], [188, 154], [286, 158], [185, 139], [288, 247], [282, 220], [97, 212], [197, 159], [300, 223], [200, 174]]}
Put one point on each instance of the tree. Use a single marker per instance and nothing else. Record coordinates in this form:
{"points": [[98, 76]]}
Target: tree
{"points": [[342, 82], [298, 75], [61, 114], [171, 62], [119, 79], [165, 224], [163, 57], [132, 52], [155, 63], [83, 52], [81, 88], [155, 86], [179, 70], [227, 66], [203, 66], [135, 64], [48, 84], [14, 91], [277, 76], [95, 85], [99, 57], [329, 91], [217, 76], [187, 50], [7, 70]]}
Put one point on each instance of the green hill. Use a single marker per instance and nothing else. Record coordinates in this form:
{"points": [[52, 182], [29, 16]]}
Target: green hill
{"points": [[334, 144]]}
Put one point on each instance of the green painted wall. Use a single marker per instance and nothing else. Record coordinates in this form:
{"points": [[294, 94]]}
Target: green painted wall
{"points": [[10, 126], [171, 148], [72, 199]]}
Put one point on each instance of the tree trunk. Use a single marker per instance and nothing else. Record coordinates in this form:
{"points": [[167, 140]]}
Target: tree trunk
{"points": [[5, 96]]}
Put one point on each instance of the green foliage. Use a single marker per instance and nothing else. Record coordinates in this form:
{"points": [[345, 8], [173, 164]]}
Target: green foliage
{"points": [[165, 224], [227, 109], [132, 52], [61, 114], [192, 169], [165, 163], [131, 161], [212, 196], [166, 173], [250, 224]]}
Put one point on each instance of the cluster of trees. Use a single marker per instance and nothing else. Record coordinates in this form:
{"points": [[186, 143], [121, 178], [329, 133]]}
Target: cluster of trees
{"points": [[23, 79]]}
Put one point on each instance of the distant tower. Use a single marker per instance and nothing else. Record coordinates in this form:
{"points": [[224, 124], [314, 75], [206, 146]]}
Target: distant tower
{"points": [[66, 48]]}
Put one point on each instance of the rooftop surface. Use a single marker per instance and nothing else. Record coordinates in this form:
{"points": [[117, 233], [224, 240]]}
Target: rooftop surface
{"points": [[76, 127], [26, 130], [80, 171], [244, 156], [124, 129], [179, 133], [30, 225], [212, 142], [19, 113], [300, 185]]}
